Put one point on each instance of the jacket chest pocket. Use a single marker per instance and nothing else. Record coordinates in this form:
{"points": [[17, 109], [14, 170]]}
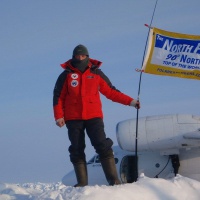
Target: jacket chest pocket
{"points": [[90, 85]]}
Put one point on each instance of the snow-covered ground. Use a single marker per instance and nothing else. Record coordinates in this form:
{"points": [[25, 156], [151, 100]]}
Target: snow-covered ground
{"points": [[144, 189]]}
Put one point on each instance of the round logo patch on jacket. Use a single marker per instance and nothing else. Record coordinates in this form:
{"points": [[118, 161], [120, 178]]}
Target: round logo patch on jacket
{"points": [[74, 83], [74, 76]]}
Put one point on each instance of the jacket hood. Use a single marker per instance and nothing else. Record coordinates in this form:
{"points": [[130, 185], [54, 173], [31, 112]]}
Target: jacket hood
{"points": [[91, 63]]}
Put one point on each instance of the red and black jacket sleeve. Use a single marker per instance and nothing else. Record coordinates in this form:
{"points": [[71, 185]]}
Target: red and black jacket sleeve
{"points": [[59, 94], [110, 92]]}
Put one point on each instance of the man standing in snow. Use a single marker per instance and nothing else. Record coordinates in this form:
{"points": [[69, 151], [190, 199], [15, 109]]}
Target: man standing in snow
{"points": [[77, 104]]}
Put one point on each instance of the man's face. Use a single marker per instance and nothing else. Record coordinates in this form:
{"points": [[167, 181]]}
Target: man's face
{"points": [[80, 57]]}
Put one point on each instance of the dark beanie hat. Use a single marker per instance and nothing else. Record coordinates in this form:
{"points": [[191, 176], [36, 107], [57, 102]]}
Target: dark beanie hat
{"points": [[80, 50]]}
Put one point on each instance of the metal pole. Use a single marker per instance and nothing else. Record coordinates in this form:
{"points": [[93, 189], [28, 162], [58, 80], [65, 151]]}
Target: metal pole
{"points": [[137, 116]]}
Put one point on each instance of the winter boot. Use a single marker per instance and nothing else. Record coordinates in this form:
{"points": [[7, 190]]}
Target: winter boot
{"points": [[110, 171], [81, 174]]}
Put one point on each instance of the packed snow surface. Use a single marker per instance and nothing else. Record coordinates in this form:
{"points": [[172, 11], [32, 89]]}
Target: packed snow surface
{"points": [[144, 189]]}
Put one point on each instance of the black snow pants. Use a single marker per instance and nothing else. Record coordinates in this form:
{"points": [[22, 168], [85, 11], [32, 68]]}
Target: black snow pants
{"points": [[95, 131]]}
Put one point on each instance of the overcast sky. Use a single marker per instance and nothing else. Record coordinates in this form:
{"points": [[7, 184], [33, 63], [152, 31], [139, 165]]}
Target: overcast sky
{"points": [[36, 36]]}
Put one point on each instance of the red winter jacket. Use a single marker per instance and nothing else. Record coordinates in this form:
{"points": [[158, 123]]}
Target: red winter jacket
{"points": [[76, 94]]}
